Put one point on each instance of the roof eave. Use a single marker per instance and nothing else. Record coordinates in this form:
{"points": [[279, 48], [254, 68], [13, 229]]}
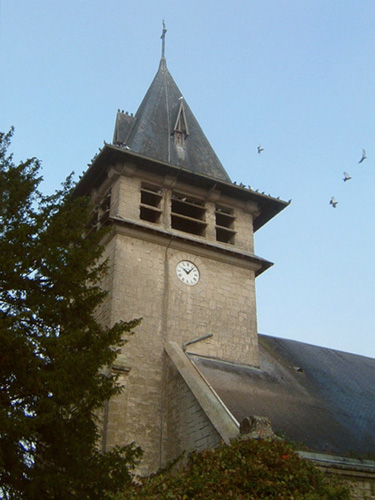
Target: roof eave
{"points": [[110, 155]]}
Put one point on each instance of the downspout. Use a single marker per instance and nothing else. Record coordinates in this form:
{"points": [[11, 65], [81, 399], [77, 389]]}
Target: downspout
{"points": [[194, 341]]}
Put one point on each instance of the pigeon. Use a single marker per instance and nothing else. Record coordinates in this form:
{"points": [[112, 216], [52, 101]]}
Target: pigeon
{"points": [[260, 149], [333, 202], [346, 177], [363, 156]]}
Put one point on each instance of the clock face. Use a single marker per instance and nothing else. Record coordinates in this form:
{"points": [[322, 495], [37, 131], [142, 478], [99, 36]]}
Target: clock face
{"points": [[187, 272]]}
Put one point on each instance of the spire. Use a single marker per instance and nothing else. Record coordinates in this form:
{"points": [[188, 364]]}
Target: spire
{"points": [[163, 41], [165, 129]]}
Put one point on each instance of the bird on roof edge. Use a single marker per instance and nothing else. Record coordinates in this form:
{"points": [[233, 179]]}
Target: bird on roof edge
{"points": [[260, 149], [346, 177], [363, 156], [333, 202]]}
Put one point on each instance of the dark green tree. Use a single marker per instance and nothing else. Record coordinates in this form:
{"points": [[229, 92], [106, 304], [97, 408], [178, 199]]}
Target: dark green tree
{"points": [[53, 350]]}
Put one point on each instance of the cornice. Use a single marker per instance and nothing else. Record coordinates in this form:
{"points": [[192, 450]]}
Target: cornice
{"points": [[198, 246]]}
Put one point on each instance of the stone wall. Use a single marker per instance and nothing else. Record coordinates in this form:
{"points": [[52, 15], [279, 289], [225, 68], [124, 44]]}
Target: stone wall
{"points": [[196, 418], [360, 482], [188, 427], [358, 474], [143, 283], [362, 489]]}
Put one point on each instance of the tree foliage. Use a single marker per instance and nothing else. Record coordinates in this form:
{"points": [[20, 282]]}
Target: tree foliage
{"points": [[53, 349], [244, 470]]}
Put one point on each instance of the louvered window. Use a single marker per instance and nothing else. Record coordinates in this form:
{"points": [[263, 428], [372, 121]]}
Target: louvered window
{"points": [[100, 214], [150, 207], [224, 224], [188, 214]]}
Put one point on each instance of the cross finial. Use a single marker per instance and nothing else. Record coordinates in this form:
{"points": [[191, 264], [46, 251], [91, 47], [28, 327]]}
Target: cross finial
{"points": [[163, 40]]}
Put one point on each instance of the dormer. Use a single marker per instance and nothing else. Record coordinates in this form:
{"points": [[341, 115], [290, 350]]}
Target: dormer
{"points": [[180, 129]]}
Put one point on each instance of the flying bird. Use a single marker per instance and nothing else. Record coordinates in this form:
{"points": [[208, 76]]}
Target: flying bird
{"points": [[363, 156], [333, 202], [346, 177], [260, 149]]}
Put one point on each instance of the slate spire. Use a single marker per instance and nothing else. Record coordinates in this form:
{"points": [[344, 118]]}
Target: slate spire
{"points": [[165, 129]]}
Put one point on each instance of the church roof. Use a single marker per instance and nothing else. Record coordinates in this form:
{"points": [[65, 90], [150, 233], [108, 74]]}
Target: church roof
{"points": [[165, 129], [320, 398]]}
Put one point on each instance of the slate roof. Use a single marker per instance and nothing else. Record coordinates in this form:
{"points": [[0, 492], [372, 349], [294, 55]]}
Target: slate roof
{"points": [[321, 398], [151, 132]]}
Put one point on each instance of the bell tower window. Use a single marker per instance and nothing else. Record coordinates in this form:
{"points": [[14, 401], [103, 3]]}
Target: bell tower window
{"points": [[188, 214], [224, 224], [101, 212], [150, 207]]}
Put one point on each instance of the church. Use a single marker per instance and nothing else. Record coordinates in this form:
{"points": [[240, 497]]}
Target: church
{"points": [[181, 257]]}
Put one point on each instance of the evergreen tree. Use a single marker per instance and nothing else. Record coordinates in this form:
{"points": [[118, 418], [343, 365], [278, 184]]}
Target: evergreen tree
{"points": [[54, 352]]}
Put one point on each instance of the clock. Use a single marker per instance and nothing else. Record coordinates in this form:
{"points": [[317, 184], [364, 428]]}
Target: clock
{"points": [[187, 272]]}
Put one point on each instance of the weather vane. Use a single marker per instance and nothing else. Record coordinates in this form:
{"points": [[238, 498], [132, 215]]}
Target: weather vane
{"points": [[163, 39]]}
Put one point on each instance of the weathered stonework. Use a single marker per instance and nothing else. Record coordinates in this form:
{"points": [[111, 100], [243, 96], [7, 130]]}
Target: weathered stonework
{"points": [[358, 474], [187, 426], [142, 283]]}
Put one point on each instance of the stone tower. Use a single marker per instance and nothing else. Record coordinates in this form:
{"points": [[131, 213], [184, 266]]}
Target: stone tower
{"points": [[181, 258]]}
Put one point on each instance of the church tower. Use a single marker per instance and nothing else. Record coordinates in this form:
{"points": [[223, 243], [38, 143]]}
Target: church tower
{"points": [[181, 257]]}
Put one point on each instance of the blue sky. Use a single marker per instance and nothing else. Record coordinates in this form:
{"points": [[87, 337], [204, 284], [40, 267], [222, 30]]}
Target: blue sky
{"points": [[296, 76]]}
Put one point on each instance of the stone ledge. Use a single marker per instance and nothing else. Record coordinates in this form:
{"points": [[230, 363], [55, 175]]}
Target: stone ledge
{"points": [[348, 466]]}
